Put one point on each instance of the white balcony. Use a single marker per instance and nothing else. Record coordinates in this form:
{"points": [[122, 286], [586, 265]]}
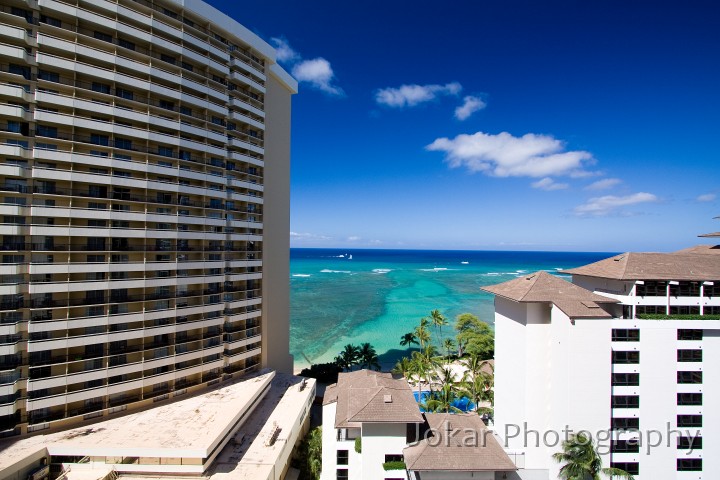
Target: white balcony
{"points": [[14, 151], [15, 91], [11, 52], [248, 81], [243, 342], [235, 115], [244, 355], [247, 158], [14, 111]]}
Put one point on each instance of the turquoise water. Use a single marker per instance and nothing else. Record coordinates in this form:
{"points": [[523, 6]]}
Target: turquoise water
{"points": [[354, 296]]}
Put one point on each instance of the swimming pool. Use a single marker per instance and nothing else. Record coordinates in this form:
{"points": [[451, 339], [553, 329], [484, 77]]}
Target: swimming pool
{"points": [[463, 403]]}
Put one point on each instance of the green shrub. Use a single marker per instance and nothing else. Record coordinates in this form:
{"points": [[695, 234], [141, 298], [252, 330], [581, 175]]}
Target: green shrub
{"points": [[396, 465], [358, 445], [323, 372]]}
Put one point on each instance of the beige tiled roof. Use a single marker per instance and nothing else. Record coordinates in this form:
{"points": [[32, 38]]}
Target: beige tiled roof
{"points": [[574, 301], [457, 442], [715, 234], [702, 249], [655, 266], [369, 396]]}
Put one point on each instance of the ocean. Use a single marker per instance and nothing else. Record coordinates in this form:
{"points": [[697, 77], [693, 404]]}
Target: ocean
{"points": [[355, 296]]}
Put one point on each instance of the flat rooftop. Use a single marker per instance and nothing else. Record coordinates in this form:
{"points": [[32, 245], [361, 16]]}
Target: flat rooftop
{"points": [[189, 428]]}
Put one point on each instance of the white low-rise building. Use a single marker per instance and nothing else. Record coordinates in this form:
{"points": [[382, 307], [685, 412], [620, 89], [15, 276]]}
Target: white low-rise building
{"points": [[371, 422], [630, 351]]}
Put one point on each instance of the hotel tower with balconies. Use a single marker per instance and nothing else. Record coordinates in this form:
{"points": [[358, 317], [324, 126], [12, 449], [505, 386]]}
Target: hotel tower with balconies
{"points": [[144, 190]]}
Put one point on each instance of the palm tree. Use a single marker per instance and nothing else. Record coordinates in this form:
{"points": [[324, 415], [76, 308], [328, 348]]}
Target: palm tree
{"points": [[368, 357], [408, 339], [438, 320], [403, 367], [422, 334], [474, 363], [448, 345], [348, 357], [582, 460], [477, 387], [442, 400]]}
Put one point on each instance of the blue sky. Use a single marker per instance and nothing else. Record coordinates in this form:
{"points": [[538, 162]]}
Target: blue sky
{"points": [[587, 126]]}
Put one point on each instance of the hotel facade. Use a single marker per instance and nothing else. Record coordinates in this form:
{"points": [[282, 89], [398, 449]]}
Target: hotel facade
{"points": [[144, 190], [629, 351]]}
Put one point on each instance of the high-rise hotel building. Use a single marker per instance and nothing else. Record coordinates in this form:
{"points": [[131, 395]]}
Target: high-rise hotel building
{"points": [[144, 198], [629, 352]]}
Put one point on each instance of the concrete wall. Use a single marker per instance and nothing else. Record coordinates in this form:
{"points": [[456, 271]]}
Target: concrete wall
{"points": [[276, 229], [378, 440]]}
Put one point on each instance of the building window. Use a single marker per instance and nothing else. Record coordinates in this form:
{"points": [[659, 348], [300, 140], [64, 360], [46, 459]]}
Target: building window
{"points": [[342, 457], [625, 335], [126, 44], [689, 443], [100, 87], [342, 474], [684, 310], [165, 151], [122, 93], [103, 36], [689, 355], [689, 334], [689, 464], [689, 420], [633, 468], [650, 310], [689, 398], [50, 21], [625, 401], [651, 289], [625, 357], [124, 143], [689, 377], [97, 139], [167, 105], [625, 446], [626, 379], [45, 131], [49, 76]]}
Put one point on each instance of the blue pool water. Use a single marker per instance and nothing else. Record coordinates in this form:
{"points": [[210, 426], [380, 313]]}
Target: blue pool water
{"points": [[464, 404]]}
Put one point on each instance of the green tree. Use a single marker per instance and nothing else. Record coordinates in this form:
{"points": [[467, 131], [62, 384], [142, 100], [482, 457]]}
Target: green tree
{"points": [[448, 345], [582, 460], [478, 387], [422, 334], [438, 320], [475, 336], [309, 455], [408, 340], [441, 400], [349, 357], [368, 357]]}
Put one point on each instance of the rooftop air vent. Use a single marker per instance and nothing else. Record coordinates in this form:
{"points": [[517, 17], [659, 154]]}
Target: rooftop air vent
{"points": [[387, 398]]}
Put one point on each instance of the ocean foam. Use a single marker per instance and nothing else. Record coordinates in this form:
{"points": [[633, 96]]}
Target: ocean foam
{"points": [[301, 275], [325, 270], [465, 263], [381, 270], [436, 269]]}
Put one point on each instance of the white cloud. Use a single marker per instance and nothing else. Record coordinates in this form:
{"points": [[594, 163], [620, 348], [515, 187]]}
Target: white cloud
{"points": [[470, 105], [504, 155], [285, 53], [413, 95], [353, 238], [708, 197], [603, 206], [318, 73], [549, 184], [604, 184]]}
